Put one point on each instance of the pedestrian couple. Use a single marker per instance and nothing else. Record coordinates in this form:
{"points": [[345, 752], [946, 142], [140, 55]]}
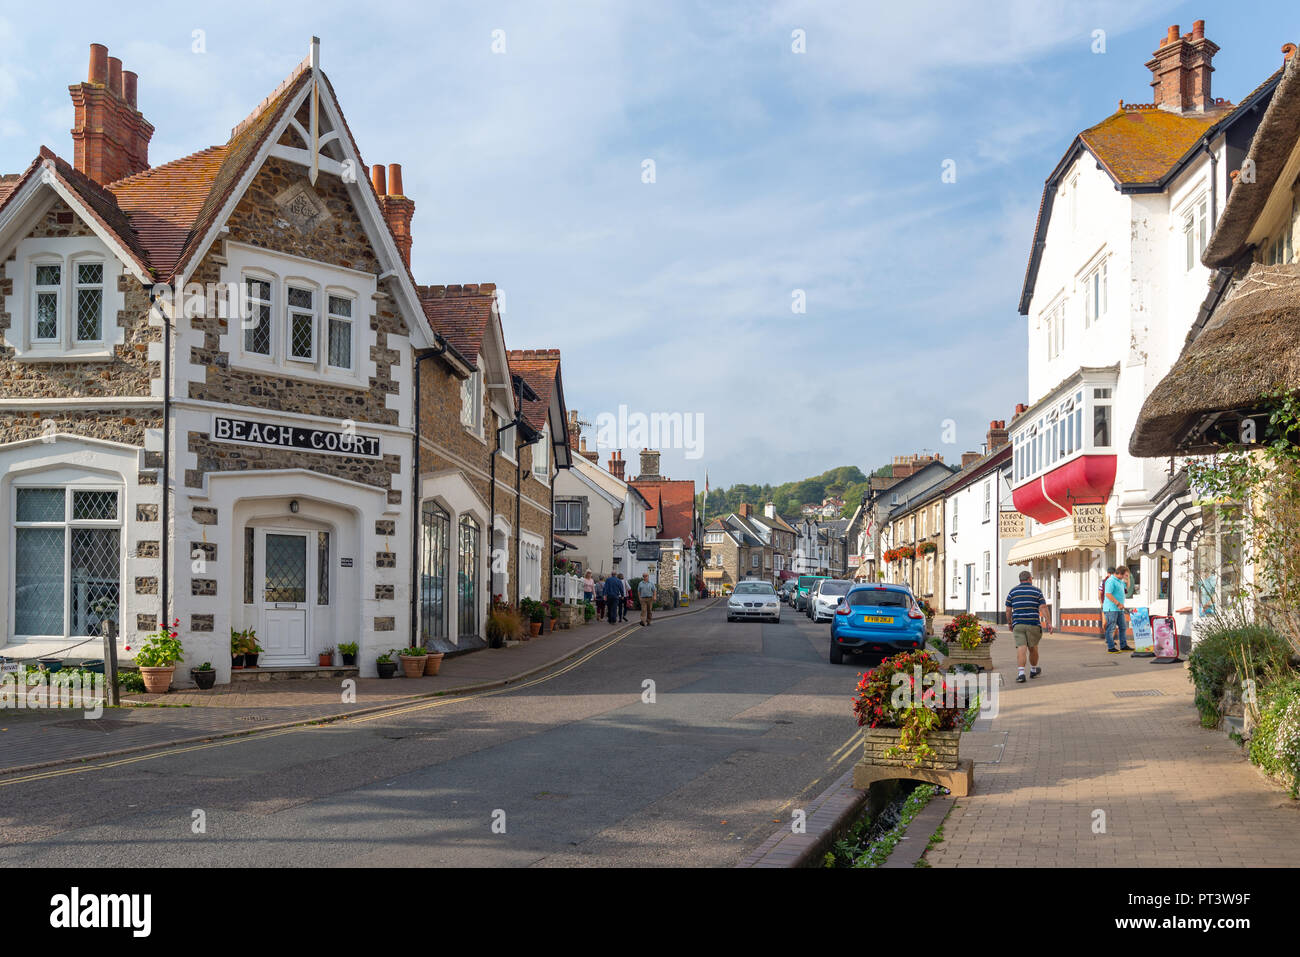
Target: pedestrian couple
{"points": [[615, 592]]}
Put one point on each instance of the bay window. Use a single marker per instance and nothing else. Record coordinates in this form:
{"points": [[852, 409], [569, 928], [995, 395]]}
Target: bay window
{"points": [[339, 354]]}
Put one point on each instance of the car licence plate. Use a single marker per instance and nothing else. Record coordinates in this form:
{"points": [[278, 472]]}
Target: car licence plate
{"points": [[877, 618]]}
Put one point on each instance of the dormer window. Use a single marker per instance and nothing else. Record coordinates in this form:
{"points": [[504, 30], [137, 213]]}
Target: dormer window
{"points": [[340, 332], [257, 325], [471, 402], [63, 296], [47, 288], [542, 455], [90, 301], [302, 324]]}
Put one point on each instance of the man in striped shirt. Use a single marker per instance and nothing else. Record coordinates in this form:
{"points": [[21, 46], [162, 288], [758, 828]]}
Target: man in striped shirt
{"points": [[1027, 614]]}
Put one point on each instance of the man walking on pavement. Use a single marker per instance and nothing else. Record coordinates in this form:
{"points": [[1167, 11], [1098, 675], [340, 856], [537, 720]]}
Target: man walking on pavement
{"points": [[1028, 614], [646, 593], [622, 602], [613, 592], [1101, 601], [1116, 592]]}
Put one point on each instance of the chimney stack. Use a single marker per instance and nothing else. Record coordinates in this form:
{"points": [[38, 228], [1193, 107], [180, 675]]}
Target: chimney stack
{"points": [[110, 138], [769, 510], [998, 435], [616, 464], [649, 466], [398, 210], [575, 430], [1181, 69], [744, 510], [970, 458]]}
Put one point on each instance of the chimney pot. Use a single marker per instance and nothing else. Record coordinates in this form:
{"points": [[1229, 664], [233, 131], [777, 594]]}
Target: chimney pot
{"points": [[98, 72], [377, 179], [1198, 30], [129, 84], [115, 76], [395, 179], [1173, 33]]}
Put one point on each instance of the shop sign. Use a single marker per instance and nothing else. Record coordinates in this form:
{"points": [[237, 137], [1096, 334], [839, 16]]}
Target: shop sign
{"points": [[264, 434]]}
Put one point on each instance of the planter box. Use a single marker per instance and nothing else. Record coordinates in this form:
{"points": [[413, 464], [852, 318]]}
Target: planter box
{"points": [[981, 656], [879, 740], [945, 768]]}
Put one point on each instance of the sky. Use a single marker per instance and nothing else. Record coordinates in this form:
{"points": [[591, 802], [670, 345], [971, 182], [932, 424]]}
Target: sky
{"points": [[734, 212]]}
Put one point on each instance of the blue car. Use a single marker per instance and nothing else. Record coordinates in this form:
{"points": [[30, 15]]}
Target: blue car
{"points": [[878, 620]]}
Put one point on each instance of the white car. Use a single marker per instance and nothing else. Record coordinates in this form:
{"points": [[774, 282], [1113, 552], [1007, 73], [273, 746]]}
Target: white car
{"points": [[754, 600], [828, 597]]}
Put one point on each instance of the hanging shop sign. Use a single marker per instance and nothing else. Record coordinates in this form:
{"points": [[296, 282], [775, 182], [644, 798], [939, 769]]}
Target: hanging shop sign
{"points": [[264, 434], [1011, 524], [1090, 524]]}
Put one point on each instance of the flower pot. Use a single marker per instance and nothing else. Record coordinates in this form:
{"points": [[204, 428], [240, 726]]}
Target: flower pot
{"points": [[386, 669], [250, 659], [413, 666], [237, 662], [981, 656], [534, 629], [433, 663], [349, 659], [94, 665], [51, 664], [324, 660], [204, 679], [158, 680]]}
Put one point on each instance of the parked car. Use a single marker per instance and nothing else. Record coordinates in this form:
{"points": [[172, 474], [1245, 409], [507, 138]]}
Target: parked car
{"points": [[754, 600], [877, 620], [829, 593], [801, 594], [787, 590]]}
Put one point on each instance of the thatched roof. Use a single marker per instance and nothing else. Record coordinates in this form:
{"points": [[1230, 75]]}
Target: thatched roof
{"points": [[1250, 346], [1269, 151]]}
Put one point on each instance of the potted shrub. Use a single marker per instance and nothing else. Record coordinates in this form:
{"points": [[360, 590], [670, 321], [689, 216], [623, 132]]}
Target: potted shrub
{"points": [[236, 650], [251, 649], [385, 664], [413, 661], [535, 611], [433, 663], [348, 649], [326, 658], [907, 725], [157, 658], [966, 641], [205, 676], [588, 611]]}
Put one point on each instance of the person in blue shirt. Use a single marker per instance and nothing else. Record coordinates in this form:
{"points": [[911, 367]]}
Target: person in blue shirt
{"points": [[1028, 615], [1116, 593], [613, 597]]}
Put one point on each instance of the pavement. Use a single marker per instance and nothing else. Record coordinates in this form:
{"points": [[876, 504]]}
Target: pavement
{"points": [[1102, 761], [43, 738]]}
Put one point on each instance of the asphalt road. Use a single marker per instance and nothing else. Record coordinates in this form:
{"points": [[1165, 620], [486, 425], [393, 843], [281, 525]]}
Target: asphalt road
{"points": [[576, 767]]}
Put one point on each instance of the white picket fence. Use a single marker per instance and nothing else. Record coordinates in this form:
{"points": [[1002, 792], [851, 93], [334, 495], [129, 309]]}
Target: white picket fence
{"points": [[567, 588]]}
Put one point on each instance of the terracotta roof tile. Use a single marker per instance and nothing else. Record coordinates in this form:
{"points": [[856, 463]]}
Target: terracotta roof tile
{"points": [[539, 368], [675, 505], [101, 204], [1139, 145], [460, 314]]}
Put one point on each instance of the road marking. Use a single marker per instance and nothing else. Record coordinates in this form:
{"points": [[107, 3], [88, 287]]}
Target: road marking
{"points": [[263, 735]]}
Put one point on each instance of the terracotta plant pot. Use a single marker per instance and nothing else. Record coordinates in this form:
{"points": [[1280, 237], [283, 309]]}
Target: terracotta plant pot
{"points": [[324, 660], [413, 667], [534, 629], [433, 663], [158, 680]]}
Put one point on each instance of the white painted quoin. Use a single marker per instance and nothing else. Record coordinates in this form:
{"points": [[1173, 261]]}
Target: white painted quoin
{"points": [[1113, 285]]}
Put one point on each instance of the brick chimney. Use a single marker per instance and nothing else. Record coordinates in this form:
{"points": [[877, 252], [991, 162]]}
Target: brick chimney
{"points": [[744, 510], [575, 429], [110, 138], [1021, 409], [649, 466], [998, 435], [398, 210], [1181, 69], [617, 464], [591, 455], [970, 458]]}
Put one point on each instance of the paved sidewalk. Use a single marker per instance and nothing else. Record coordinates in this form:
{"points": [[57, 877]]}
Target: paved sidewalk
{"points": [[39, 738], [1172, 793]]}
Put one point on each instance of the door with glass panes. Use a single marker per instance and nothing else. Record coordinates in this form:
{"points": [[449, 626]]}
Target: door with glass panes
{"points": [[291, 567]]}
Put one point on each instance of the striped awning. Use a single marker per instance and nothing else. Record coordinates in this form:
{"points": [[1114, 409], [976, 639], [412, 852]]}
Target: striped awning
{"points": [[1174, 522]]}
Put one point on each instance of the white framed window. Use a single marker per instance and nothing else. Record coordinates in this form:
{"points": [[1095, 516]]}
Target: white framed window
{"points": [[988, 500], [568, 517], [1095, 294], [64, 299], [88, 286], [1101, 419], [339, 337], [47, 301], [955, 583], [66, 559], [1196, 230], [300, 323], [988, 571], [542, 455], [471, 402]]}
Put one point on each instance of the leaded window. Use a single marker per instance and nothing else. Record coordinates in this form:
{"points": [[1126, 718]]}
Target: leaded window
{"points": [[90, 302], [257, 317], [67, 562], [468, 574], [48, 288], [435, 558], [302, 323], [339, 354]]}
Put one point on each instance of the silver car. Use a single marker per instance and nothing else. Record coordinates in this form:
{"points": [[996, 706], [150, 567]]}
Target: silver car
{"points": [[754, 600], [827, 598]]}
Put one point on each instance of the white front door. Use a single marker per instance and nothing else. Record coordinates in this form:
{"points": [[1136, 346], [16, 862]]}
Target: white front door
{"points": [[287, 576]]}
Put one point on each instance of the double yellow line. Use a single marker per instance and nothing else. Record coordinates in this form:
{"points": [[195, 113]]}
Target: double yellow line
{"points": [[263, 735]]}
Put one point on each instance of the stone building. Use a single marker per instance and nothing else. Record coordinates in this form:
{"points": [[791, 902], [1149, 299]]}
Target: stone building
{"points": [[208, 404], [671, 509]]}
